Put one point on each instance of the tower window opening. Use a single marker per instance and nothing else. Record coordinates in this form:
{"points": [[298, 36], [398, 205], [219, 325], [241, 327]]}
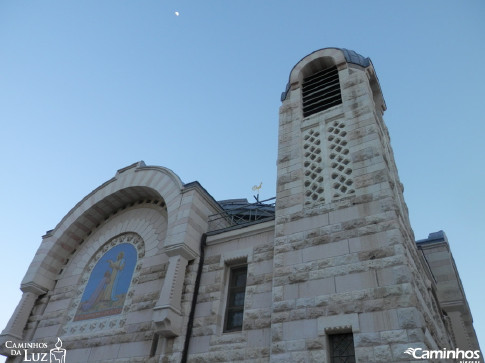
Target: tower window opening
{"points": [[342, 348], [321, 91]]}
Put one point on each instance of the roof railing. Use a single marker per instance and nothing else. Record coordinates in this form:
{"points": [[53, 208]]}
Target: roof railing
{"points": [[239, 214]]}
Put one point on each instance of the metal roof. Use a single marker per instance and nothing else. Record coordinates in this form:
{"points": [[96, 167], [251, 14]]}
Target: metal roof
{"points": [[353, 57]]}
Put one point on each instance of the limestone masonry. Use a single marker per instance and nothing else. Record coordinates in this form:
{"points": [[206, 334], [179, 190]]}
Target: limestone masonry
{"points": [[148, 269]]}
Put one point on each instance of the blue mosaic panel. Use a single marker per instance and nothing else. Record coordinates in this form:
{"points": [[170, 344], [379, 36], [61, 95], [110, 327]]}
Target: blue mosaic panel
{"points": [[108, 284]]}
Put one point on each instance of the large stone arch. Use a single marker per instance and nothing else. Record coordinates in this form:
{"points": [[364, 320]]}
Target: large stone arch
{"points": [[184, 211], [130, 185]]}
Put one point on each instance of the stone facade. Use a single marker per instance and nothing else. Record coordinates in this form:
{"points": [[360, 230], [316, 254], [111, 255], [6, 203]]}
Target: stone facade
{"points": [[335, 256]]}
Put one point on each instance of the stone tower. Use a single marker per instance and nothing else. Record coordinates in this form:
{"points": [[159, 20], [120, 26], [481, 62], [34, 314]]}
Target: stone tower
{"points": [[344, 248]]}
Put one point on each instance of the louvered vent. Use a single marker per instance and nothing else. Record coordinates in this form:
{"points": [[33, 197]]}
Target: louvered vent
{"points": [[321, 91]]}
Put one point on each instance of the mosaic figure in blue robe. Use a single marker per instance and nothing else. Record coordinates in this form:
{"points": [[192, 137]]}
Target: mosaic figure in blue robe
{"points": [[108, 283], [116, 268]]}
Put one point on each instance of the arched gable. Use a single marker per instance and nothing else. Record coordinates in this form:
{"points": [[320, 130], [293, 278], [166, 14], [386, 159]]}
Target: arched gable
{"points": [[134, 184]]}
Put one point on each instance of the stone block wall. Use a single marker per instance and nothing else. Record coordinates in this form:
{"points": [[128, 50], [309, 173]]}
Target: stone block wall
{"points": [[449, 290], [345, 257], [252, 246]]}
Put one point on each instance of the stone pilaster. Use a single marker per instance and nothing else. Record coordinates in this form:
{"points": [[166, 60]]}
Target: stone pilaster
{"points": [[167, 314], [16, 325]]}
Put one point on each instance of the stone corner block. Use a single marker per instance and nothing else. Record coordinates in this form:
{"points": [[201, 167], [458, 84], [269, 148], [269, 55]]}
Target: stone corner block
{"points": [[168, 321]]}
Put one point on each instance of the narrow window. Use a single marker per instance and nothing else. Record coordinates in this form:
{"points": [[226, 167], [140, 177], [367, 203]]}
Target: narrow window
{"points": [[341, 348], [321, 91], [235, 299], [153, 349]]}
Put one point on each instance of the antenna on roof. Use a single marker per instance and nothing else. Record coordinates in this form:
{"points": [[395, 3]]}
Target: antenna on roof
{"points": [[256, 188]]}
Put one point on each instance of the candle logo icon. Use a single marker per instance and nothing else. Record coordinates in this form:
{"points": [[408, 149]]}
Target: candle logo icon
{"points": [[58, 354]]}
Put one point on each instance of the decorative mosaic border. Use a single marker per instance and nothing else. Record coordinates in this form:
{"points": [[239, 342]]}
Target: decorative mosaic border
{"points": [[109, 324]]}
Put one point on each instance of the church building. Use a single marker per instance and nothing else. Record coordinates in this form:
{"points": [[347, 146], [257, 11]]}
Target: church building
{"points": [[146, 268]]}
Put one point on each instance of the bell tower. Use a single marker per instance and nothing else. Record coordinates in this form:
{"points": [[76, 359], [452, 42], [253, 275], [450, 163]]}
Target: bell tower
{"points": [[346, 265]]}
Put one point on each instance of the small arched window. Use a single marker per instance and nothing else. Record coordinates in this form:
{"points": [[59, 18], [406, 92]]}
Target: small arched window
{"points": [[320, 91]]}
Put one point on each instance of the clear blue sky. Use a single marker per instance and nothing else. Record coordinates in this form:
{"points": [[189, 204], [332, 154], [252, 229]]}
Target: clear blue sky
{"points": [[88, 87]]}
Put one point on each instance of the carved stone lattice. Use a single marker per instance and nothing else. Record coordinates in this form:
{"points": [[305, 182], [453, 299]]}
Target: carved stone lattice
{"points": [[341, 172], [313, 182]]}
